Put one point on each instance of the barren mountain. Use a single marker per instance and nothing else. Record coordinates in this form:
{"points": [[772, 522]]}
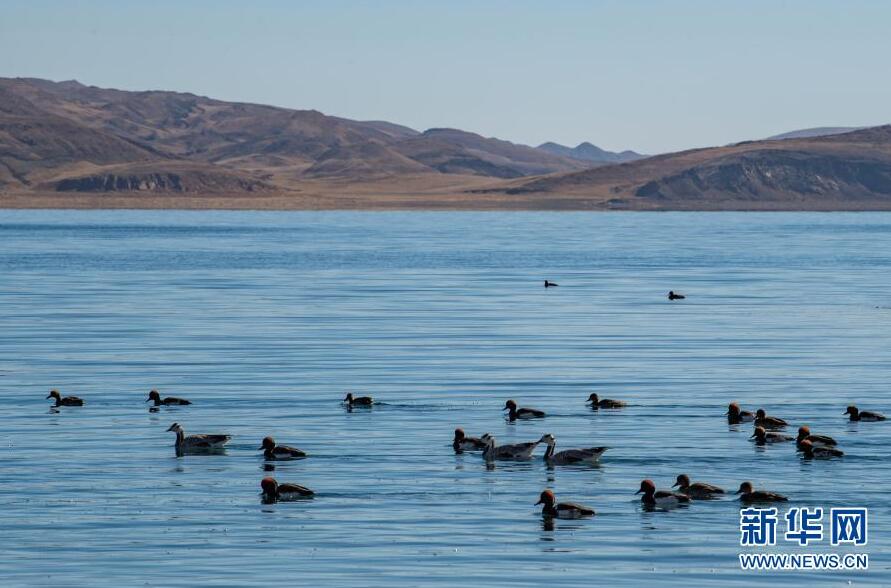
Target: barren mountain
{"points": [[589, 152]]}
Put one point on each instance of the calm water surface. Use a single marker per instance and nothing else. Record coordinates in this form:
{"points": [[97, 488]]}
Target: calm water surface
{"points": [[265, 320]]}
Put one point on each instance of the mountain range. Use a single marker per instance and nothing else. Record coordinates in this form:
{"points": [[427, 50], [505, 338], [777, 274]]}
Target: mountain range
{"points": [[65, 144]]}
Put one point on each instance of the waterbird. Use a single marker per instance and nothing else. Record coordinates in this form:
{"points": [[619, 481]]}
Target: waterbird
{"points": [[65, 400], [819, 451], [768, 422], [464, 443], [735, 415], [665, 498], [168, 401], [562, 510], [272, 451], [521, 413], [197, 443], [273, 491], [864, 415], [804, 434], [747, 493], [352, 401], [590, 455], [550, 284], [696, 490], [515, 451], [763, 437], [672, 295], [597, 402]]}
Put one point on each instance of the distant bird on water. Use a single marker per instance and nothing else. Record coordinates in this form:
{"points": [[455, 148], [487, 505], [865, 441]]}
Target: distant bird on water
{"points": [[550, 284], [665, 498], [168, 401], [562, 510], [66, 400], [864, 415], [696, 490], [197, 443], [589, 455], [736, 415], [768, 422], [464, 443], [273, 491], [352, 401], [672, 295], [819, 451], [597, 402], [804, 434], [272, 451], [747, 493], [521, 413]]}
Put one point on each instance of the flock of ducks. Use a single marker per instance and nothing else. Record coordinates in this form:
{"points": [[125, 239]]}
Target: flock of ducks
{"points": [[767, 431]]}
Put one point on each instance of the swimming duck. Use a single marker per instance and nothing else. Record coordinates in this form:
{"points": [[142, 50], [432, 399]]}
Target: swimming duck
{"points": [[169, 401], [696, 490], [464, 443], [768, 422], [763, 437], [864, 415], [804, 434], [515, 451], [521, 413], [562, 510], [273, 491], [735, 415], [819, 451], [653, 497], [747, 493], [597, 402], [672, 295], [352, 401], [197, 443], [550, 284], [272, 451], [590, 455], [65, 400]]}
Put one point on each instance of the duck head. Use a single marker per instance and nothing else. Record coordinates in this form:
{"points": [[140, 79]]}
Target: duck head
{"points": [[593, 398], [682, 482], [55, 394], [759, 433], [745, 488], [269, 486], [733, 409], [268, 443], [546, 498], [459, 434], [176, 428], [647, 487], [153, 395], [853, 411], [349, 398], [510, 405], [803, 433], [760, 413], [548, 438]]}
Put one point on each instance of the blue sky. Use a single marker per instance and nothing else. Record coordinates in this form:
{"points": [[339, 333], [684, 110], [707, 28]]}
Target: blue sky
{"points": [[651, 76]]}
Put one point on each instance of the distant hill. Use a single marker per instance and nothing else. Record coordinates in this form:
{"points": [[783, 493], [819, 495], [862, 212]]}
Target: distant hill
{"points": [[814, 132], [589, 152]]}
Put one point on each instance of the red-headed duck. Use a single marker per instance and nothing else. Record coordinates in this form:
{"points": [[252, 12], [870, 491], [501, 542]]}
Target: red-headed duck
{"points": [[562, 510], [763, 437], [272, 451], [735, 415], [819, 451], [663, 498], [273, 491], [804, 434]]}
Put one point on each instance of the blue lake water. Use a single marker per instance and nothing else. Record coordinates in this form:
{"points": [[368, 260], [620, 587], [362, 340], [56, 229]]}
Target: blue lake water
{"points": [[265, 320]]}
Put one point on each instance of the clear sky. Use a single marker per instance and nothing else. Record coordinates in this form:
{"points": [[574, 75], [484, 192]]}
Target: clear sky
{"points": [[650, 76]]}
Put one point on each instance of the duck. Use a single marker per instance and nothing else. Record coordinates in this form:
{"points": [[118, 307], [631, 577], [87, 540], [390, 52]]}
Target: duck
{"points": [[168, 401], [735, 415], [747, 493], [515, 451], [597, 402], [768, 422], [696, 490], [590, 455], [272, 451], [672, 295], [521, 413], [863, 415], [804, 434], [197, 443], [652, 497], [819, 451], [464, 443], [763, 437], [352, 401], [562, 510], [273, 491], [65, 400], [550, 284]]}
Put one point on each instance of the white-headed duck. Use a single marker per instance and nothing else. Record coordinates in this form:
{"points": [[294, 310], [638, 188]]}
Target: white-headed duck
{"points": [[763, 437], [521, 413], [65, 400], [597, 402], [804, 434], [590, 455], [864, 415], [197, 443], [273, 491], [696, 490], [515, 451], [747, 493], [736, 415], [550, 284], [672, 295], [562, 510], [768, 422], [168, 401], [271, 451], [464, 443], [819, 451], [663, 498], [352, 401]]}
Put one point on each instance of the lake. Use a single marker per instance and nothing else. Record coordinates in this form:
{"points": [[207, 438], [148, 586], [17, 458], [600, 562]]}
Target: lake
{"points": [[266, 319]]}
